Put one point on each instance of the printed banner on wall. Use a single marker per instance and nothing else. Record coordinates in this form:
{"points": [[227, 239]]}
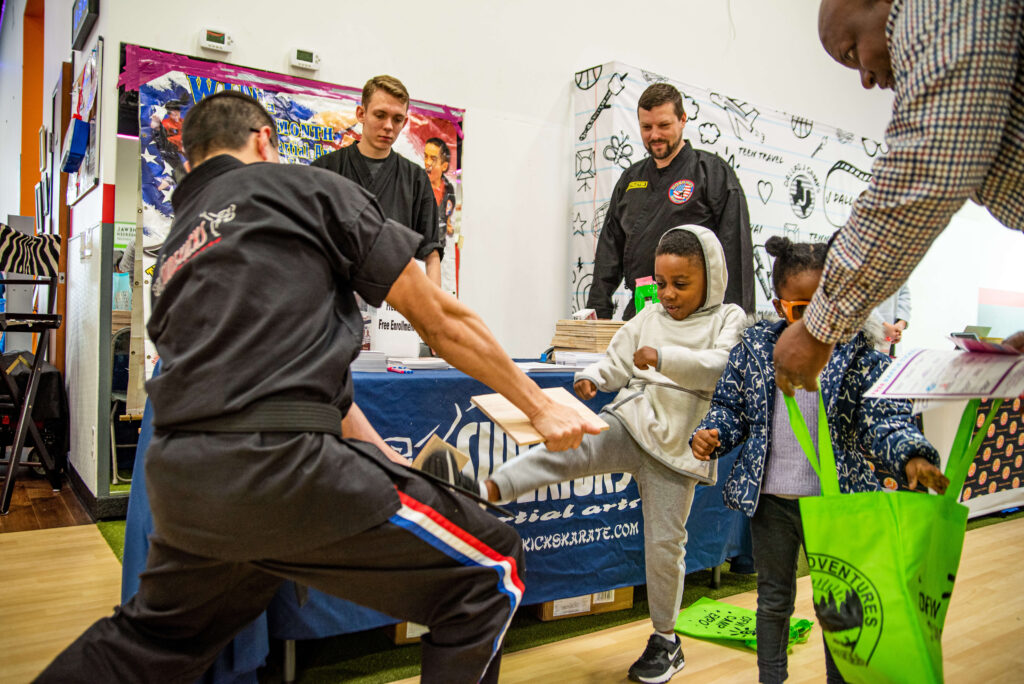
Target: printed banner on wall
{"points": [[312, 119], [800, 176]]}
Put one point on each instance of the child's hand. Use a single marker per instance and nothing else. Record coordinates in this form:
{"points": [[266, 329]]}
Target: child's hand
{"points": [[585, 389], [646, 357], [704, 442], [920, 470]]}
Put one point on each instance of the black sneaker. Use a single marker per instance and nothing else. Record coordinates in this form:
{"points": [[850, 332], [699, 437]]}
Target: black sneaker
{"points": [[443, 466], [661, 660]]}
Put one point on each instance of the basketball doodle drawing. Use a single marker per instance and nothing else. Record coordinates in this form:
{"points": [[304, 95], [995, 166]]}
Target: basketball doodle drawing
{"points": [[801, 127], [588, 78]]}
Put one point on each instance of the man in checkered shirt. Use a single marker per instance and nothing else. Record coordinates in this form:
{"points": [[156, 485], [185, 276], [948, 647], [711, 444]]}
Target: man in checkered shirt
{"points": [[957, 133]]}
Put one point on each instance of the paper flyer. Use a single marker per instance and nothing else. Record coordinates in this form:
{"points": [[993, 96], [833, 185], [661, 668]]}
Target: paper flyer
{"points": [[950, 374]]}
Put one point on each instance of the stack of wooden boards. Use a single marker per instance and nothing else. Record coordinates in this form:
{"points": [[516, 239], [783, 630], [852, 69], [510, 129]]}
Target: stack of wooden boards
{"points": [[587, 336]]}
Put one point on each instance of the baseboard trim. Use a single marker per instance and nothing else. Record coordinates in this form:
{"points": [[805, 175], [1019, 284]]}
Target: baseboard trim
{"points": [[99, 507]]}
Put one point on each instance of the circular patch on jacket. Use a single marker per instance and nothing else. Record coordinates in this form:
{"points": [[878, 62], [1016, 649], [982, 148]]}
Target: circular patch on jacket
{"points": [[680, 191]]}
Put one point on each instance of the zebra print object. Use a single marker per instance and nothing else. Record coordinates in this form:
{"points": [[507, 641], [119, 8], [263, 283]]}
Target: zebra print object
{"points": [[34, 255]]}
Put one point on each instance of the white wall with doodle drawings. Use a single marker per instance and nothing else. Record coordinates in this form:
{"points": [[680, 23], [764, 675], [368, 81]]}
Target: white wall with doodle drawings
{"points": [[800, 176]]}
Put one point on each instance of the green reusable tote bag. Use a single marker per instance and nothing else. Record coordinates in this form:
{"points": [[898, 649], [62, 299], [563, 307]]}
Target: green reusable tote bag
{"points": [[883, 564], [710, 619]]}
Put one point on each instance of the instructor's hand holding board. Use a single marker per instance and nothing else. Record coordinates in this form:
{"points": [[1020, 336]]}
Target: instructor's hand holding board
{"points": [[525, 431]]}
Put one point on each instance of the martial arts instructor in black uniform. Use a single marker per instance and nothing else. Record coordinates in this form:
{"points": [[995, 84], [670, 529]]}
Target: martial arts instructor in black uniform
{"points": [[677, 185], [251, 481]]}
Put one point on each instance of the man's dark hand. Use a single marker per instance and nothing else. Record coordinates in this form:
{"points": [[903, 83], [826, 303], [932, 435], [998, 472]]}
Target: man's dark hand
{"points": [[1016, 340], [799, 358]]}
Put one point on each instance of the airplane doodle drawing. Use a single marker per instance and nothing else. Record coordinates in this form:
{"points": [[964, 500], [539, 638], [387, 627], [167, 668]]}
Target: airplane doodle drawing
{"points": [[742, 116]]}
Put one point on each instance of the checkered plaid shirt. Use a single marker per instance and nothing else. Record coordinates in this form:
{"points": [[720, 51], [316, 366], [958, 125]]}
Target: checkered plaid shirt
{"points": [[957, 133]]}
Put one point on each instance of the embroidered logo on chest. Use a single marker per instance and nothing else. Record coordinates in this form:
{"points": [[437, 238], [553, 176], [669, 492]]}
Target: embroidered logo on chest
{"points": [[680, 191]]}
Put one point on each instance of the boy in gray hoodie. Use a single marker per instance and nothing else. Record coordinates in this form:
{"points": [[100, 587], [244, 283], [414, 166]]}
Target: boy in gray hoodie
{"points": [[664, 363]]}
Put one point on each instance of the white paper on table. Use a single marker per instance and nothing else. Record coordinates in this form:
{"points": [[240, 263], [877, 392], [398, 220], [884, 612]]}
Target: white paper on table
{"points": [[943, 374], [539, 367]]}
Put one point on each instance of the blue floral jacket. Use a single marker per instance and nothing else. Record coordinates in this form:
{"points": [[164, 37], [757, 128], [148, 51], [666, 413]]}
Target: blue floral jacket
{"points": [[744, 402]]}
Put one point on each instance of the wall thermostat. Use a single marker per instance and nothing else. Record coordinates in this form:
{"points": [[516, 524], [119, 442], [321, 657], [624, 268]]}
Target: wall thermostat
{"points": [[305, 59], [215, 39]]}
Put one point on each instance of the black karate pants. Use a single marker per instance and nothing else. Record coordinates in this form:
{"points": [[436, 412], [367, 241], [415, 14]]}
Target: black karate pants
{"points": [[440, 561]]}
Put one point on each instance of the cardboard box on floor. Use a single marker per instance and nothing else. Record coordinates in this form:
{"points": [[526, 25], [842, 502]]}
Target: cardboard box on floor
{"points": [[407, 632], [588, 604]]}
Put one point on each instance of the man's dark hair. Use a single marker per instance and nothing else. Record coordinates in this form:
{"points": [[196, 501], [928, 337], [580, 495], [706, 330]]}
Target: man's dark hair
{"points": [[680, 243], [442, 148], [223, 121], [793, 257], [658, 94]]}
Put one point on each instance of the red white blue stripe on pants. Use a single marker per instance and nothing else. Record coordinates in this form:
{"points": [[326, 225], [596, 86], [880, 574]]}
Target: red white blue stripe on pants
{"points": [[457, 543]]}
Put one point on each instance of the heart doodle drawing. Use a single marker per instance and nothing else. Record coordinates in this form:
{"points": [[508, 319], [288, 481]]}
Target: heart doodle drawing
{"points": [[764, 190]]}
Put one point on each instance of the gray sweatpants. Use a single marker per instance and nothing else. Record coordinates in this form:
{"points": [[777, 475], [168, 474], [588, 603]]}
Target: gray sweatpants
{"points": [[666, 495]]}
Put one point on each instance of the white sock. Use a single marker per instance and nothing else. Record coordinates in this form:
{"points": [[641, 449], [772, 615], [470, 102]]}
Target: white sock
{"points": [[483, 490], [670, 637]]}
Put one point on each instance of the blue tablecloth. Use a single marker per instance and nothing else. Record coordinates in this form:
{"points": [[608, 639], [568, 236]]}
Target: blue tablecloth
{"points": [[582, 537]]}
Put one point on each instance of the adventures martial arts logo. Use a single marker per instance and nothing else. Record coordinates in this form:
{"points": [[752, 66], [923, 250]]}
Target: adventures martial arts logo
{"points": [[680, 191], [804, 189], [848, 607]]}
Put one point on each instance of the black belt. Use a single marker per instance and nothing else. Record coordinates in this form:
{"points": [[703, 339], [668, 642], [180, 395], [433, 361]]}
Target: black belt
{"points": [[269, 415]]}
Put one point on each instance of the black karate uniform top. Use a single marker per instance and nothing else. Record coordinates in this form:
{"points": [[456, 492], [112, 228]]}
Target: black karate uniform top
{"points": [[402, 189], [697, 188], [253, 297]]}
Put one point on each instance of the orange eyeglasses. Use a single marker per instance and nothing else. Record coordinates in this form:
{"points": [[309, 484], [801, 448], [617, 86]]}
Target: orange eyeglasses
{"points": [[793, 309]]}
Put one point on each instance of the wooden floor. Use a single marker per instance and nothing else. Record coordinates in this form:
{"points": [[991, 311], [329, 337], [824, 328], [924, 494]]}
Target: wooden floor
{"points": [[58, 581], [35, 506], [982, 640]]}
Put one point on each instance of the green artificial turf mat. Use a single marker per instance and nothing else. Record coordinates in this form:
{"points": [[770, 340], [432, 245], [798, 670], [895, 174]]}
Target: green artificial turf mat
{"points": [[113, 532]]}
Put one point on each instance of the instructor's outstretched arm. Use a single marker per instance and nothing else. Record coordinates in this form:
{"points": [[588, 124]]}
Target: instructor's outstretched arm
{"points": [[458, 334]]}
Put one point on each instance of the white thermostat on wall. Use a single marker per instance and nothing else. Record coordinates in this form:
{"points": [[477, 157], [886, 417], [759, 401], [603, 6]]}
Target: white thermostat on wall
{"points": [[305, 59], [215, 39]]}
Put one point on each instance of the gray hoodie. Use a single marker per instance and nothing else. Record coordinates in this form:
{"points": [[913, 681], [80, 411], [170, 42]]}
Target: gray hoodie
{"points": [[660, 408]]}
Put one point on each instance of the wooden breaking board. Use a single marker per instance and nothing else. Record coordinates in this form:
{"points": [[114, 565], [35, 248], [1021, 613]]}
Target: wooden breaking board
{"points": [[513, 421]]}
